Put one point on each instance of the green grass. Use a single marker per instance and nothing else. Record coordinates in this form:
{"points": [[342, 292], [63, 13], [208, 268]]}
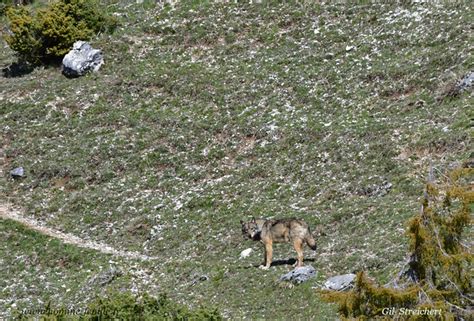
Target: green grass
{"points": [[36, 269], [205, 114]]}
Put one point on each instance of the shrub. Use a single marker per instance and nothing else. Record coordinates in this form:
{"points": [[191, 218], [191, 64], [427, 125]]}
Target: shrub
{"points": [[125, 306], [4, 4], [49, 34], [437, 275], [16, 2]]}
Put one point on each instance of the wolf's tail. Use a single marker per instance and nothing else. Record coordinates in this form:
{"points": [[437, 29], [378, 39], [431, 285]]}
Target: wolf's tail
{"points": [[310, 241]]}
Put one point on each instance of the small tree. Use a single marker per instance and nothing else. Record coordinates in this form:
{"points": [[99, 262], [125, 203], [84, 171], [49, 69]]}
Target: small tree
{"points": [[4, 4], [49, 33], [437, 275]]}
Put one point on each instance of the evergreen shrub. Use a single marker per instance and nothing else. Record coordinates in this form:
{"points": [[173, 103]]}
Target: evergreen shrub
{"points": [[49, 33]]}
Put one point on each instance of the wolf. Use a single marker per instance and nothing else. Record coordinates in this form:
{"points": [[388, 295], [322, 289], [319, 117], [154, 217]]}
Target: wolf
{"points": [[287, 230]]}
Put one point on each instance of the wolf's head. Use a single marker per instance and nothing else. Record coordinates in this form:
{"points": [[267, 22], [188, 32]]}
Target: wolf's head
{"points": [[251, 230]]}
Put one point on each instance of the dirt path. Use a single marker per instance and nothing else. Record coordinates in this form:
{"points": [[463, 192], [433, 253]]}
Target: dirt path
{"points": [[9, 212]]}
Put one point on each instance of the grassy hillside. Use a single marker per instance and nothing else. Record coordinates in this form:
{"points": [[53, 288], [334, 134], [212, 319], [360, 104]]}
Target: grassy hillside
{"points": [[206, 114]]}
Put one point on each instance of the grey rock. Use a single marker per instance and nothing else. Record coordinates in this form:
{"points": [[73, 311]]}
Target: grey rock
{"points": [[203, 278], [299, 274], [376, 190], [17, 172], [106, 276], [466, 82], [340, 282], [197, 278], [82, 59]]}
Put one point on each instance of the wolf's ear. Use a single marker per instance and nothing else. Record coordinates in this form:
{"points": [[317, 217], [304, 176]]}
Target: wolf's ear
{"points": [[253, 219], [241, 222]]}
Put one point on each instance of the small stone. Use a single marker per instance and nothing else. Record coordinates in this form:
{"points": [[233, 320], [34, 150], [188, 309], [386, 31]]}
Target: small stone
{"points": [[106, 277], [376, 190], [197, 278], [245, 253], [17, 172], [466, 82]]}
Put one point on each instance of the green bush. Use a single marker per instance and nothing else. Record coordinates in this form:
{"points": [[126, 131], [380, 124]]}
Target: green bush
{"points": [[49, 33], [4, 4], [125, 306]]}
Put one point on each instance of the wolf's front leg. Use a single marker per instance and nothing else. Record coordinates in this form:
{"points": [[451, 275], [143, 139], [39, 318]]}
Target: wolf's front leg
{"points": [[268, 256]]}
